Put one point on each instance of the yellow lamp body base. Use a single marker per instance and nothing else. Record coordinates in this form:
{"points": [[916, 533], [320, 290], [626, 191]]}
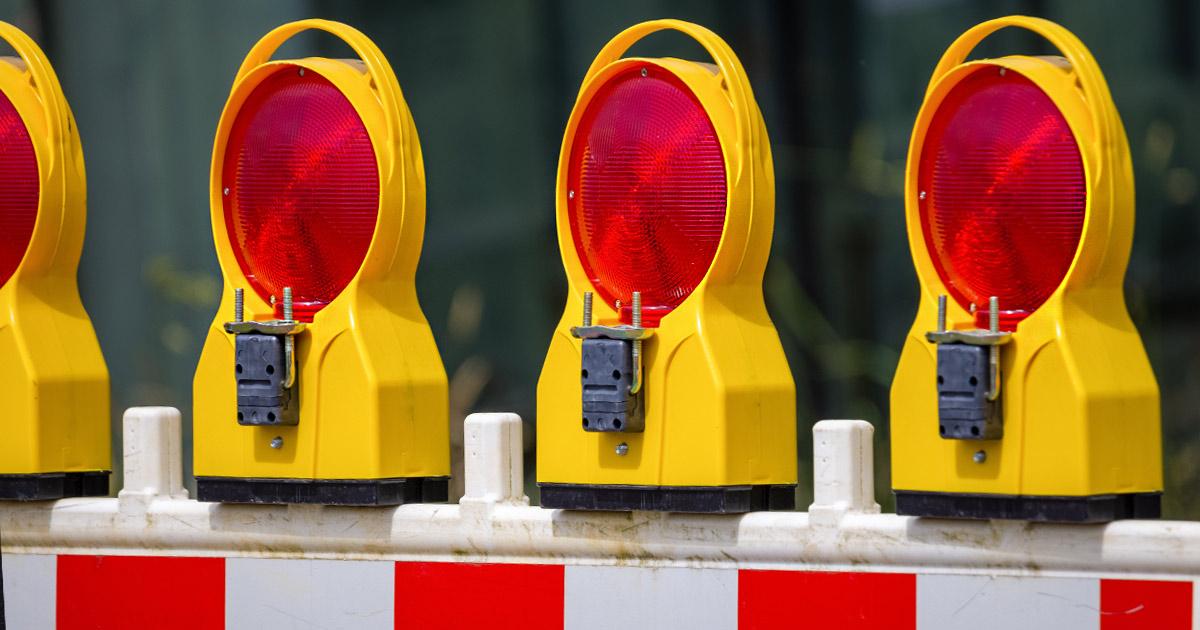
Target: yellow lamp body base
{"points": [[373, 423], [1081, 434], [720, 417], [54, 385]]}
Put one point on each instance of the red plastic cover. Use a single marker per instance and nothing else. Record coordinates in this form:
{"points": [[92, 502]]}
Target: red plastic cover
{"points": [[646, 191], [301, 189], [1004, 194], [20, 189]]}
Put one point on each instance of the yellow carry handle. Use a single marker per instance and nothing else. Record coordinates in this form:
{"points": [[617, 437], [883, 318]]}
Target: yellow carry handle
{"points": [[382, 77]]}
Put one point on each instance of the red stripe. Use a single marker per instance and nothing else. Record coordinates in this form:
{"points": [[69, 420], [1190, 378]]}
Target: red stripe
{"points": [[435, 595], [140, 593], [1137, 604], [845, 601]]}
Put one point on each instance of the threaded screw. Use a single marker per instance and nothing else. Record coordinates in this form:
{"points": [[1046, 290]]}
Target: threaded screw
{"points": [[287, 303], [637, 344], [941, 322], [239, 305], [994, 350], [587, 308]]}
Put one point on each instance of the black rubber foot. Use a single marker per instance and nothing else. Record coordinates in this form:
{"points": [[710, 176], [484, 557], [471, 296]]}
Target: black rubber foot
{"points": [[50, 486], [698, 499], [1099, 508], [396, 491]]}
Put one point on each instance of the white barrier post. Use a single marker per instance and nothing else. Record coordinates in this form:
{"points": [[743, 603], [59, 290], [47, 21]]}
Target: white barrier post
{"points": [[493, 460], [843, 471], [152, 456]]}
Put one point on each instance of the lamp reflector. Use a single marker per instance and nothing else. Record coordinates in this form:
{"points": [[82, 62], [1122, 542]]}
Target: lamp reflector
{"points": [[301, 189], [646, 191], [20, 189], [1002, 194]]}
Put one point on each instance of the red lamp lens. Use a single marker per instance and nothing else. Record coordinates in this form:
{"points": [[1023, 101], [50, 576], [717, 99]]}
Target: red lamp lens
{"points": [[301, 189], [1003, 194], [20, 189], [646, 191]]}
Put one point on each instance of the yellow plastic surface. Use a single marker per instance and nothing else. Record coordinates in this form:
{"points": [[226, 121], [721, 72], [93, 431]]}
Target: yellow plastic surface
{"points": [[1080, 402], [720, 401], [372, 389], [54, 405]]}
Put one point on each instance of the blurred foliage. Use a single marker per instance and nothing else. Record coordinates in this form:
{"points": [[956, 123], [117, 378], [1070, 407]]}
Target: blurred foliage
{"points": [[491, 84]]}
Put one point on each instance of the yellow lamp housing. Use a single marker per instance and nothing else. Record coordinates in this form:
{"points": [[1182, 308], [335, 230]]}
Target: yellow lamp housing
{"points": [[337, 394], [1026, 393], [694, 411], [54, 407]]}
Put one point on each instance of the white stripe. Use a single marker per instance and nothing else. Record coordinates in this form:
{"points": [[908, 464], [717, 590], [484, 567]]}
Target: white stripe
{"points": [[1196, 605], [981, 602], [661, 598], [30, 587], [263, 593]]}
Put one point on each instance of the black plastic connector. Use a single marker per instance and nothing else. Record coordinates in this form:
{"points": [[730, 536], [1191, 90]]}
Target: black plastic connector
{"points": [[964, 378], [263, 399], [608, 376]]}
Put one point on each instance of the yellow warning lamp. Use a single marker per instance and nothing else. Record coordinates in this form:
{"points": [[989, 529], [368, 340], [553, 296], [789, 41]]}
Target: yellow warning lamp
{"points": [[319, 381], [54, 409], [665, 386], [1023, 390]]}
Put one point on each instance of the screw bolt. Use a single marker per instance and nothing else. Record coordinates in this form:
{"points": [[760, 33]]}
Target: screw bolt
{"points": [[645, 72], [921, 195], [239, 305], [587, 308], [287, 303], [637, 344], [277, 442], [941, 313], [994, 351], [622, 449], [979, 457]]}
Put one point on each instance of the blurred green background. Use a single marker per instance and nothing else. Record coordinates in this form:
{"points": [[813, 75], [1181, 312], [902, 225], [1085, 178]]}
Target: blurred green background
{"points": [[491, 83]]}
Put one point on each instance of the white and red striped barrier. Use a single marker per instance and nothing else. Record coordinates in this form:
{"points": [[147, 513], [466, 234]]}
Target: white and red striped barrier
{"points": [[153, 559], [83, 591]]}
